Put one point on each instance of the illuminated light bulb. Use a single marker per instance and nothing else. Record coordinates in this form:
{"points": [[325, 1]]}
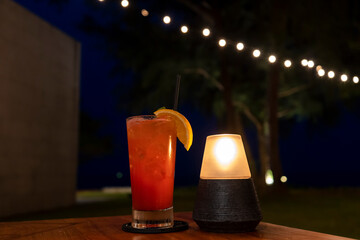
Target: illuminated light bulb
{"points": [[344, 77], [144, 12], [310, 64], [226, 199], [283, 179], [287, 63], [331, 74], [304, 62], [225, 151], [240, 46], [206, 32], [167, 19], [222, 42], [224, 158], [256, 53], [318, 67], [125, 3], [101, 0], [184, 29], [321, 72], [272, 59], [269, 177], [355, 79]]}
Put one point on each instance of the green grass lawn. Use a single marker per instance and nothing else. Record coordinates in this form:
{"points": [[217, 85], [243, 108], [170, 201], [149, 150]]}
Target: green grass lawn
{"points": [[333, 211]]}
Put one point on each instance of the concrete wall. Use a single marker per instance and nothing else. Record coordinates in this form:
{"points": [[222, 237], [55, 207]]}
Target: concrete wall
{"points": [[39, 88]]}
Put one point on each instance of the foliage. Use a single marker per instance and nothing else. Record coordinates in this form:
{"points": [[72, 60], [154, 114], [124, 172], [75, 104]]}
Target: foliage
{"points": [[155, 53], [228, 84]]}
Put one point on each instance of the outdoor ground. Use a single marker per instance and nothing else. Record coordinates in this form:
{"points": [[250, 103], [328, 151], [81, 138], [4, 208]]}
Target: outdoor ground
{"points": [[334, 211]]}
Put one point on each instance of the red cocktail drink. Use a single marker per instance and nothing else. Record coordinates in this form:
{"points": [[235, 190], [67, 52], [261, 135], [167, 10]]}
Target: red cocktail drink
{"points": [[152, 148]]}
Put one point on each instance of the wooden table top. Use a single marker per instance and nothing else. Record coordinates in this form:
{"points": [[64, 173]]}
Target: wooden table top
{"points": [[109, 228]]}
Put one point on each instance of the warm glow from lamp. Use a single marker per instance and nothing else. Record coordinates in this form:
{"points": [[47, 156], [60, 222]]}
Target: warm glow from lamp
{"points": [[226, 199], [224, 158], [225, 151]]}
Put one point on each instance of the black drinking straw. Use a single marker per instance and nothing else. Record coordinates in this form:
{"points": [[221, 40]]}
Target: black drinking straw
{"points": [[177, 89]]}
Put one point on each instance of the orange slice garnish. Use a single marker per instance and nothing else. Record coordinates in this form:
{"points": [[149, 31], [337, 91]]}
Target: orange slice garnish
{"points": [[183, 128]]}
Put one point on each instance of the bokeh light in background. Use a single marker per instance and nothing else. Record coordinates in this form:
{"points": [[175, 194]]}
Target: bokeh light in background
{"points": [[331, 74], [184, 29], [222, 43], [287, 63], [240, 46], [256, 53], [272, 59], [206, 32], [166, 19]]}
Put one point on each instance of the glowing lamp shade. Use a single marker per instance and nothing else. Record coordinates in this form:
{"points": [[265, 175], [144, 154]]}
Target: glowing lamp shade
{"points": [[226, 199], [224, 158]]}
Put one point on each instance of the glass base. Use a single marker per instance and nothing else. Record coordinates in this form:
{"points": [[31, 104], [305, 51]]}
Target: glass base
{"points": [[153, 219]]}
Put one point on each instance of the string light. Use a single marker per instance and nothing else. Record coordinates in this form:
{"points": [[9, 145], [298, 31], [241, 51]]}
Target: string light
{"points": [[206, 32], [344, 77], [240, 46], [125, 3], [304, 62], [331, 74], [287, 63], [256, 53], [355, 79], [222, 42], [184, 29], [272, 59], [321, 72], [283, 179], [144, 12], [166, 19], [310, 64]]}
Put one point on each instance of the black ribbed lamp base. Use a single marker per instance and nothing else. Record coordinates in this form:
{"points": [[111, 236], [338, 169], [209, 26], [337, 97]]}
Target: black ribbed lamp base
{"points": [[227, 205]]}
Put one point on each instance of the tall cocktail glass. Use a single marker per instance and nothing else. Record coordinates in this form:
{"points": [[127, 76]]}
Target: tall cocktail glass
{"points": [[152, 149]]}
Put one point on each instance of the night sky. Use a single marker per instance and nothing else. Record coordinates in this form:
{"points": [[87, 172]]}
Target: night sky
{"points": [[316, 157]]}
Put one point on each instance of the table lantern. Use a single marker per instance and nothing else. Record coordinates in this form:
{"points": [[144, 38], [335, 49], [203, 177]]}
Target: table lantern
{"points": [[226, 199]]}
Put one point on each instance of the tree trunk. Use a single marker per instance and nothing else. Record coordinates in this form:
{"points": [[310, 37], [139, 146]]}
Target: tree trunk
{"points": [[272, 107], [240, 130], [263, 157]]}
